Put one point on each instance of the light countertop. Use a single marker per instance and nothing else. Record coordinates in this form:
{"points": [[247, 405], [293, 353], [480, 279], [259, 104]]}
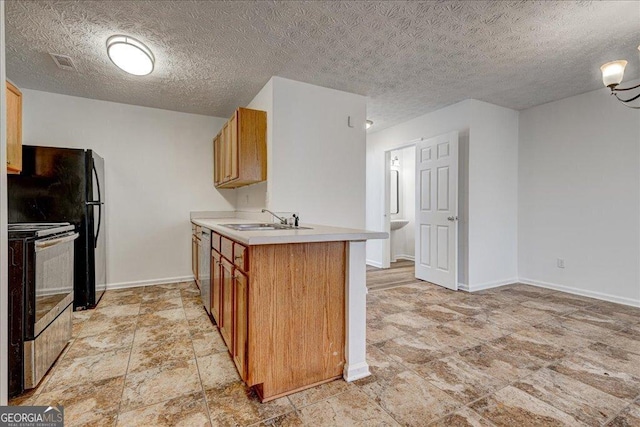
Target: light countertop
{"points": [[316, 233]]}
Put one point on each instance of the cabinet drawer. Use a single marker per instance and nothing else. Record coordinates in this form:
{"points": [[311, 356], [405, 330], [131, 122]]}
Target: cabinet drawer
{"points": [[215, 241], [226, 248], [241, 256]]}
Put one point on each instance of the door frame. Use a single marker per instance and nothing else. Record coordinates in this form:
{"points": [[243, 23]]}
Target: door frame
{"points": [[386, 214]]}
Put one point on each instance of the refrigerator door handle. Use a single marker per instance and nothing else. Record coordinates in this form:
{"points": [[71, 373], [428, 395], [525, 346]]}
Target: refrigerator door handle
{"points": [[99, 203]]}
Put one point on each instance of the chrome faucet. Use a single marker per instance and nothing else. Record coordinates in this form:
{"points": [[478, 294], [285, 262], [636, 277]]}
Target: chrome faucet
{"points": [[282, 220]]}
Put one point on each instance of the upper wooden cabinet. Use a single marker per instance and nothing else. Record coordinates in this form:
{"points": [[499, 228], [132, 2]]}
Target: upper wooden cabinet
{"points": [[14, 129], [240, 150]]}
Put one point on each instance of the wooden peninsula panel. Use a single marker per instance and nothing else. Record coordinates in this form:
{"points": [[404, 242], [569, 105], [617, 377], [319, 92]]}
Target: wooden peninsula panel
{"points": [[296, 316]]}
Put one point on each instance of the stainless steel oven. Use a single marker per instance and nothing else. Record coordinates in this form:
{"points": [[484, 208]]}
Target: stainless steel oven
{"points": [[41, 275]]}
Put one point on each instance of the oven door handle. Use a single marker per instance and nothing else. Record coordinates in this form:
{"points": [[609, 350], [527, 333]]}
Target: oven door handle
{"points": [[44, 244]]}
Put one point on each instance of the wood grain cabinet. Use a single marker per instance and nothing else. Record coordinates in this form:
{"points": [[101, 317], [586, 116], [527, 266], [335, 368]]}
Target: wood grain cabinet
{"points": [[216, 286], [240, 150], [226, 317], [14, 129], [281, 312]]}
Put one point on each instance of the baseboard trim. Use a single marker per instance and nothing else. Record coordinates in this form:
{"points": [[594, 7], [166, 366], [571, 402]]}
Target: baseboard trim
{"points": [[151, 282], [373, 263], [489, 285], [581, 292], [407, 257], [355, 372]]}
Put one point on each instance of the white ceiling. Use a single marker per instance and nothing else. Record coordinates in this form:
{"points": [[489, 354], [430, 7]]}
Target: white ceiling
{"points": [[410, 58]]}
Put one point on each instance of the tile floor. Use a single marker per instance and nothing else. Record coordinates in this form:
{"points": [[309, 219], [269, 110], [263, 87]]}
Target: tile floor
{"points": [[512, 356]]}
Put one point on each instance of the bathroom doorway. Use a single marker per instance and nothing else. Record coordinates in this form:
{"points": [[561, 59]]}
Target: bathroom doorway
{"points": [[400, 206]]}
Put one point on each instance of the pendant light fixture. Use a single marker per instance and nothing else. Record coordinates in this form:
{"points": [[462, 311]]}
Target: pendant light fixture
{"points": [[130, 55], [612, 73]]}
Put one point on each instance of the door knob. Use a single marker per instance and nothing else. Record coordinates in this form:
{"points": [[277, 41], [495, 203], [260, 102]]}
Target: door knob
{"points": [[452, 218]]}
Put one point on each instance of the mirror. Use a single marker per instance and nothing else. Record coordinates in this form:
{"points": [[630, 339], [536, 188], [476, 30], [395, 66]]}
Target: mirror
{"points": [[394, 205]]}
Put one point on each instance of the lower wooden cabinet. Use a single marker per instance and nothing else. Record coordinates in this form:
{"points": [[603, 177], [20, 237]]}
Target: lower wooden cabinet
{"points": [[216, 286], [240, 322], [226, 317], [281, 312]]}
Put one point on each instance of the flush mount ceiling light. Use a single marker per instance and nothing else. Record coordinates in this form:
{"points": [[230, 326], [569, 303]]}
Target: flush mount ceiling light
{"points": [[130, 55], [369, 124], [612, 73]]}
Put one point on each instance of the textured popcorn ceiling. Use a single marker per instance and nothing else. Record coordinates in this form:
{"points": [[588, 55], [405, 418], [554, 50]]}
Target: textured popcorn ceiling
{"points": [[409, 58]]}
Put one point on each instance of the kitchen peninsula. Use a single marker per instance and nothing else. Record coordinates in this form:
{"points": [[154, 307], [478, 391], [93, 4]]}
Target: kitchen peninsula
{"points": [[290, 303]]}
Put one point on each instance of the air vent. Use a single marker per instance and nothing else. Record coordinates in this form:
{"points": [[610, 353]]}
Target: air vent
{"points": [[63, 61]]}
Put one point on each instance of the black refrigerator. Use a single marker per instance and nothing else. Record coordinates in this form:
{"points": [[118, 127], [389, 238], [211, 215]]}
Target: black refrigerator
{"points": [[66, 185]]}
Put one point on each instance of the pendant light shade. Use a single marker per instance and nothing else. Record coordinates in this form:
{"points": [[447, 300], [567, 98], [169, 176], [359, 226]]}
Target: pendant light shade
{"points": [[612, 72], [130, 55]]}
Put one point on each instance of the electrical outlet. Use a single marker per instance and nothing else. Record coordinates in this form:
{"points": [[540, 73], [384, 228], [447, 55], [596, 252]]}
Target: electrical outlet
{"points": [[560, 263]]}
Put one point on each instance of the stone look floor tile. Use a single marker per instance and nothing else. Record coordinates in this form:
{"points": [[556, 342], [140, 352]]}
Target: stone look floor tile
{"points": [[477, 328], [151, 306], [528, 347], [439, 314], [86, 404], [552, 307], [463, 418], [413, 351], [460, 379], [217, 370], [383, 369], [287, 420], [597, 319], [95, 367], [352, 408], [411, 400], [597, 366], [157, 384], [96, 344], [553, 333], [186, 411], [627, 339], [235, 404], [568, 359], [583, 402], [499, 364], [322, 392], [145, 354], [205, 344], [513, 407], [98, 326], [630, 417]]}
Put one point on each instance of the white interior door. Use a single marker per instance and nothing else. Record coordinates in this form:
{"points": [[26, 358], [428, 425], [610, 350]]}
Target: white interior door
{"points": [[437, 210]]}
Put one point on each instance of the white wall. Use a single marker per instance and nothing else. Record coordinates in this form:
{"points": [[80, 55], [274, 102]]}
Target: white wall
{"points": [[158, 165], [579, 196], [488, 137], [317, 163], [493, 195]]}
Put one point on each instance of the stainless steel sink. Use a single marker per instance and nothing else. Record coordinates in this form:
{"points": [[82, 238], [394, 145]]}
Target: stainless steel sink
{"points": [[263, 227]]}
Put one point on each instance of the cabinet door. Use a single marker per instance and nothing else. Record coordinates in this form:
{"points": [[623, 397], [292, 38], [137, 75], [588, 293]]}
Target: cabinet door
{"points": [[217, 162], [233, 145], [216, 286], [194, 257], [226, 320], [14, 129], [228, 155], [240, 324]]}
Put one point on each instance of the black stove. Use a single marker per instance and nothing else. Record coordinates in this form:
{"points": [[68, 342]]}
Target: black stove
{"points": [[37, 229]]}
